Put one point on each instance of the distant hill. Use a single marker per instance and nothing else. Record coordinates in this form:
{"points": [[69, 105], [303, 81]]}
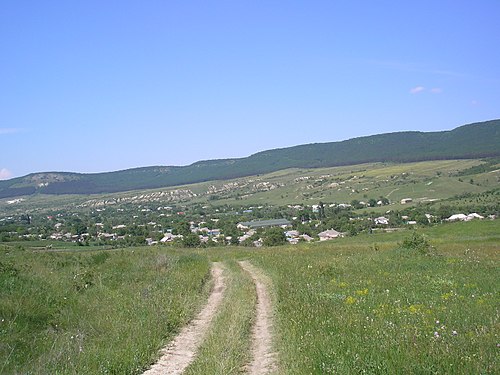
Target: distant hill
{"points": [[476, 140]]}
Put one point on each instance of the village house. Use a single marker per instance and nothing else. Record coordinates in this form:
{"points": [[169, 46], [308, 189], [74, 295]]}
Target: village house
{"points": [[463, 217], [169, 237], [283, 223], [151, 242], [329, 235], [247, 235], [292, 233], [306, 237], [381, 220]]}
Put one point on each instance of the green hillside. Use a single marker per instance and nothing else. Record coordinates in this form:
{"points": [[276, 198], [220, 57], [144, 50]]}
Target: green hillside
{"points": [[476, 140]]}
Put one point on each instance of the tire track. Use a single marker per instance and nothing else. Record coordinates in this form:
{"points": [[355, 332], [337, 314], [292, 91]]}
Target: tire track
{"points": [[182, 350], [263, 356]]}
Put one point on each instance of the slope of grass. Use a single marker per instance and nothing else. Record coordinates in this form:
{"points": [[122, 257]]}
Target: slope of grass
{"points": [[420, 181], [91, 313], [363, 304], [351, 309]]}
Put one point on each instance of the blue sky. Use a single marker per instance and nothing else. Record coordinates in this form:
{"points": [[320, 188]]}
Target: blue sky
{"points": [[91, 86]]}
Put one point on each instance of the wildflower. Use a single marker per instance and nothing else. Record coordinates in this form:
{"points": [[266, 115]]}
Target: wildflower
{"points": [[454, 333], [414, 309], [362, 292], [437, 321], [447, 296], [350, 300], [436, 335]]}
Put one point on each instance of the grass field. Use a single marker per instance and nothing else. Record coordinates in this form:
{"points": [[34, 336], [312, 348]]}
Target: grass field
{"points": [[357, 305], [351, 309], [93, 313]]}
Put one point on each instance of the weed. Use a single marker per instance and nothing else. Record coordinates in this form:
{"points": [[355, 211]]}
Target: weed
{"points": [[418, 242]]}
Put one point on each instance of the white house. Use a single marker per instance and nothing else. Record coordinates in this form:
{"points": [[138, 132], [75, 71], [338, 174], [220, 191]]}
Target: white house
{"points": [[474, 216], [381, 220], [306, 237], [329, 235], [463, 217], [457, 217]]}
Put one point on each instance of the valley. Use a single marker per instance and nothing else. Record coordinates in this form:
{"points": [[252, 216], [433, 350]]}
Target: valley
{"points": [[382, 267], [346, 199]]}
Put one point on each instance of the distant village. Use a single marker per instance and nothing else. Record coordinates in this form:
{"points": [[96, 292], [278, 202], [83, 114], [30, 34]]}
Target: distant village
{"points": [[207, 226]]}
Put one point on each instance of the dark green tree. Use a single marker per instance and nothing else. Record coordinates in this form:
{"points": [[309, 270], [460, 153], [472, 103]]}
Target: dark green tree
{"points": [[191, 240], [385, 201], [274, 237], [356, 204], [182, 227], [321, 210]]}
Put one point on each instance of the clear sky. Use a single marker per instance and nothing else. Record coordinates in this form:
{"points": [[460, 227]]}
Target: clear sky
{"points": [[91, 86]]}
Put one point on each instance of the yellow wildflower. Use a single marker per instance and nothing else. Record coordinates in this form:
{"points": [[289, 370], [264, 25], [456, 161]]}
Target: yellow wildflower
{"points": [[350, 300]]}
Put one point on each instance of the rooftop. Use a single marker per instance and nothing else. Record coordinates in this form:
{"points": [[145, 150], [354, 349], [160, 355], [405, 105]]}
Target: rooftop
{"points": [[266, 223]]}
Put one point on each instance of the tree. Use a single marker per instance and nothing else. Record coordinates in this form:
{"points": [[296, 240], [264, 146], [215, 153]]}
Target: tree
{"points": [[321, 210], [444, 211], [274, 237], [235, 240], [25, 219], [78, 227], [385, 201], [356, 204], [182, 227], [191, 240], [421, 219]]}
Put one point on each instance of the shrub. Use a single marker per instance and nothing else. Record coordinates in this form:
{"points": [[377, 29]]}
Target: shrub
{"points": [[417, 242]]}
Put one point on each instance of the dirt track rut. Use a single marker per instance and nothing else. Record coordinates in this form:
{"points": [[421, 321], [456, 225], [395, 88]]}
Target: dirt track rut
{"points": [[263, 356], [182, 350]]}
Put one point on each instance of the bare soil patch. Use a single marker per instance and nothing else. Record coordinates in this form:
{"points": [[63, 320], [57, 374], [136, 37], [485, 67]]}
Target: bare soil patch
{"points": [[263, 356], [182, 350]]}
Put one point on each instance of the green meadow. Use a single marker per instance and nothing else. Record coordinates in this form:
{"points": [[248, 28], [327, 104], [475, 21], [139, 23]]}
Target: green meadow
{"points": [[103, 312], [403, 302]]}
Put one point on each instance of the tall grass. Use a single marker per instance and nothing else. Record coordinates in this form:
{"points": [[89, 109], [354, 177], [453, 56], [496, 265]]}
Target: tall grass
{"points": [[90, 313], [400, 310], [367, 304]]}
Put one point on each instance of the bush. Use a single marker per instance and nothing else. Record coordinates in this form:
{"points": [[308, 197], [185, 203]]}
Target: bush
{"points": [[417, 242]]}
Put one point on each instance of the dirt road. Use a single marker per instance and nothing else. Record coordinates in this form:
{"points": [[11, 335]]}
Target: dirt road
{"points": [[182, 350], [263, 356]]}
